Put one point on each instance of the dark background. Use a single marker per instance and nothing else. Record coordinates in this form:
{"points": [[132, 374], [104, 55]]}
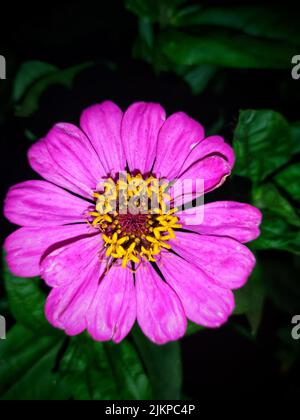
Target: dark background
{"points": [[220, 363]]}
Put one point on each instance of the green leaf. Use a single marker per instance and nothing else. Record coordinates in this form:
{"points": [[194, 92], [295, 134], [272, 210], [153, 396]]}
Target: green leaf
{"points": [[288, 350], [223, 48], [262, 143], [26, 362], [154, 10], [129, 371], [39, 382], [30, 72], [296, 137], [4, 306], [193, 328], [66, 77], [198, 77], [250, 299], [144, 45], [281, 280], [277, 22], [268, 197], [27, 301], [163, 364], [289, 180], [276, 233], [97, 371]]}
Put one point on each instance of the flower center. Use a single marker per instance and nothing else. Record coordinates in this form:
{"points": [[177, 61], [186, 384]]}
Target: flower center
{"points": [[135, 218]]}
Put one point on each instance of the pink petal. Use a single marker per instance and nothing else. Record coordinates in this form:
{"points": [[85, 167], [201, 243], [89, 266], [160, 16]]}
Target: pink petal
{"points": [[113, 311], [67, 306], [62, 265], [39, 203], [159, 311], [204, 302], [177, 138], [102, 124], [140, 127], [66, 158], [224, 260], [214, 145], [224, 218], [202, 177], [25, 247]]}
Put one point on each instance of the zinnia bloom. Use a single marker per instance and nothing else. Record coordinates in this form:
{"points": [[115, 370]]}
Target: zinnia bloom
{"points": [[107, 267]]}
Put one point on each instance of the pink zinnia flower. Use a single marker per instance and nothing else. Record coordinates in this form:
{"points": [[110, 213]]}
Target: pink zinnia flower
{"points": [[107, 268]]}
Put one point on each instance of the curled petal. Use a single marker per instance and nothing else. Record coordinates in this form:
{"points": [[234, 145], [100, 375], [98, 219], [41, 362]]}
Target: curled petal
{"points": [[178, 136]]}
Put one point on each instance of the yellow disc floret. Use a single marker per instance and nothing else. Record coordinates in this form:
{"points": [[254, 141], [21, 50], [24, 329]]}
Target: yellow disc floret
{"points": [[135, 218]]}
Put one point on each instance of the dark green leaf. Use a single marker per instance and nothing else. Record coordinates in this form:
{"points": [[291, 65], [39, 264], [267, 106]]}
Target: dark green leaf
{"points": [[289, 180], [27, 302], [40, 382], [296, 137], [276, 233], [267, 197], [223, 48], [163, 365], [288, 350], [154, 10], [276, 22], [262, 143], [281, 280], [250, 299], [61, 77], [197, 78], [30, 72], [24, 357], [4, 306], [97, 371], [193, 328]]}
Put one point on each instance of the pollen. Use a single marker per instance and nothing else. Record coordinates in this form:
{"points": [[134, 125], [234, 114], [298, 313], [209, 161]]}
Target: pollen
{"points": [[135, 218]]}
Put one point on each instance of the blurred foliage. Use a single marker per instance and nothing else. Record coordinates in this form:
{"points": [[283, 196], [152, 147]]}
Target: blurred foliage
{"points": [[195, 40], [250, 299], [35, 353], [34, 78]]}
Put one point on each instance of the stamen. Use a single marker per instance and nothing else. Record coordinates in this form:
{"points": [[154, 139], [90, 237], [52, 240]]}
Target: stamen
{"points": [[135, 219]]}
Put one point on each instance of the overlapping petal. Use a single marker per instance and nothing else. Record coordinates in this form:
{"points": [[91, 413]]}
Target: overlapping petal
{"points": [[67, 305], [177, 138], [201, 178], [224, 218], [160, 313], [204, 302], [63, 265], [25, 247], [102, 125], [213, 145], [39, 203], [140, 128], [113, 310], [67, 158], [226, 261]]}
